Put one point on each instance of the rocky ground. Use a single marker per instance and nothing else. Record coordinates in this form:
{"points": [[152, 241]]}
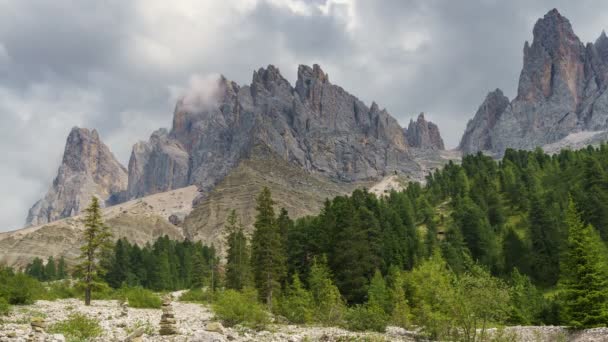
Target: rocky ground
{"points": [[194, 322]]}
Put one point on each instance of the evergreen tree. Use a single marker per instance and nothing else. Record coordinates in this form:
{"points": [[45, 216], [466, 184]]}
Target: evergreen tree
{"points": [[50, 270], [328, 304], [297, 303], [545, 241], [515, 252], [584, 275], [118, 271], [267, 253], [97, 242], [62, 271], [36, 269], [238, 271], [378, 293]]}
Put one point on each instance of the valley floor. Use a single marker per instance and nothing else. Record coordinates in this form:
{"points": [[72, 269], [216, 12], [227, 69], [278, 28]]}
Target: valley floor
{"points": [[192, 325]]}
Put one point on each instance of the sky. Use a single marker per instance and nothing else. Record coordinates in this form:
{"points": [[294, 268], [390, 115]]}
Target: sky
{"points": [[119, 66]]}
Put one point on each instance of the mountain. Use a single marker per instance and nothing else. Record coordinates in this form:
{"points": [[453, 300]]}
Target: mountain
{"points": [[314, 125], [88, 169], [424, 134], [562, 90], [307, 143]]}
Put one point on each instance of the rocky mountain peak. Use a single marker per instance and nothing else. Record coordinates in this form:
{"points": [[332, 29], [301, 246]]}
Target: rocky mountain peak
{"points": [[88, 168], [477, 134], [562, 89], [424, 134], [554, 63]]}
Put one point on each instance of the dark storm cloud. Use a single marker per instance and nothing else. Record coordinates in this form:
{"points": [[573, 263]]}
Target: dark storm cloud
{"points": [[114, 65]]}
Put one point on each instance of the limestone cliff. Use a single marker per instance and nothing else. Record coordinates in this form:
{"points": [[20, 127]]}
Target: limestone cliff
{"points": [[88, 169], [562, 90]]}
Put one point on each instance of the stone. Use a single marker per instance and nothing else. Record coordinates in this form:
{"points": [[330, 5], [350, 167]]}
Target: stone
{"points": [[562, 90], [58, 338], [215, 327], [136, 334], [207, 336], [167, 320], [88, 168], [424, 134]]}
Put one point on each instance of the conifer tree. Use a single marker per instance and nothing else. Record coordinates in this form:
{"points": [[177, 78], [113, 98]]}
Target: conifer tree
{"points": [[96, 243], [297, 302], [238, 271], [62, 272], [35, 269], [545, 241], [50, 270], [328, 304], [268, 259], [584, 275]]}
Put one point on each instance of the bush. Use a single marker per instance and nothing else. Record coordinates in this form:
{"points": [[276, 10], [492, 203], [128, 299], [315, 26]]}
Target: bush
{"points": [[297, 303], [19, 289], [77, 327], [139, 297], [61, 290], [197, 296], [5, 307], [233, 307], [366, 317]]}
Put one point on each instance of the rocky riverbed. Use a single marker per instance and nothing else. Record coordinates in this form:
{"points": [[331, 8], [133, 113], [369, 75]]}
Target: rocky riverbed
{"points": [[194, 322]]}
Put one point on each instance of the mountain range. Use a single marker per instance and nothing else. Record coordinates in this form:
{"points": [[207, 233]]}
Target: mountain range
{"points": [[307, 142]]}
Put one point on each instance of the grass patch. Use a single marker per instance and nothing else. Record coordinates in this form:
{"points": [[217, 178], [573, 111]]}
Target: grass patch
{"points": [[197, 296], [147, 327], [77, 327], [139, 297]]}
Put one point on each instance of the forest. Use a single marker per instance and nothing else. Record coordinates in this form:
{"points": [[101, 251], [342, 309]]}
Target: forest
{"points": [[520, 241]]}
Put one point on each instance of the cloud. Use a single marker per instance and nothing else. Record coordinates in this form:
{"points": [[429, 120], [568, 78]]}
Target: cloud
{"points": [[118, 66], [202, 93]]}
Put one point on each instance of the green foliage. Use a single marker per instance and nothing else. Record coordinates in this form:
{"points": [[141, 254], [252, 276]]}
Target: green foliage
{"points": [[526, 301], [399, 308], [329, 307], [61, 290], [97, 243], [584, 275], [77, 327], [234, 307], [268, 259], [366, 317], [139, 297], [429, 288], [5, 307], [238, 265], [18, 288], [297, 303], [479, 299], [198, 295]]}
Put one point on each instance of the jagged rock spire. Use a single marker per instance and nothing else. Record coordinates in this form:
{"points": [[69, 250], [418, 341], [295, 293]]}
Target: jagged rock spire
{"points": [[88, 168]]}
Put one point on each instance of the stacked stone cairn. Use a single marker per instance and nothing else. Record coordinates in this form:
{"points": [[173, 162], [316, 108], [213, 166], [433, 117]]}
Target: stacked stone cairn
{"points": [[167, 320], [38, 326], [124, 308]]}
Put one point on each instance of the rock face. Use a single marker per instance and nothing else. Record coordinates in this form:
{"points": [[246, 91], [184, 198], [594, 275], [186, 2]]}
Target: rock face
{"points": [[424, 134], [562, 90], [88, 169], [315, 125]]}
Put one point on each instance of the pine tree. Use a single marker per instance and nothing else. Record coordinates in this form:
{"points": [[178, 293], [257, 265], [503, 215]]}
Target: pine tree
{"points": [[238, 265], [378, 293], [297, 303], [584, 274], [50, 270], [545, 243], [97, 242], [267, 253], [62, 272], [328, 304], [36, 269]]}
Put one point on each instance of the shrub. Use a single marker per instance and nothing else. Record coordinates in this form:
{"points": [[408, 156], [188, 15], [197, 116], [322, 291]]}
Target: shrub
{"points": [[197, 296], [297, 303], [147, 327], [61, 290], [77, 327], [5, 307], [18, 289], [233, 307], [366, 317], [139, 297]]}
